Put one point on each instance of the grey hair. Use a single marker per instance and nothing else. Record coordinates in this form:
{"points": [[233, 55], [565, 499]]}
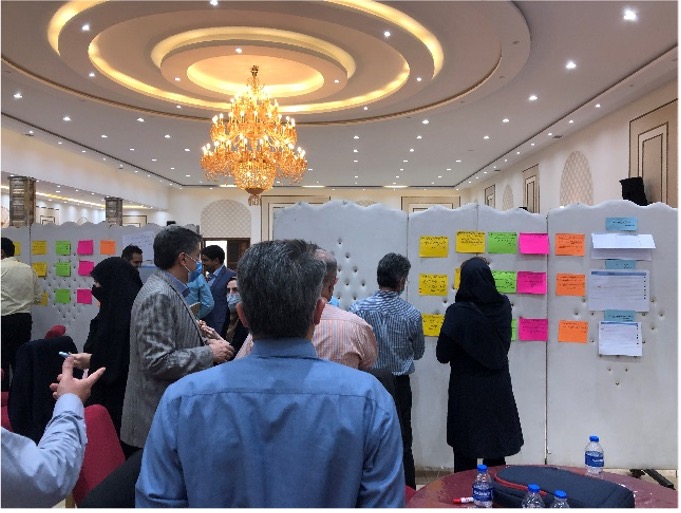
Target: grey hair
{"points": [[280, 282], [391, 269], [170, 242], [331, 265]]}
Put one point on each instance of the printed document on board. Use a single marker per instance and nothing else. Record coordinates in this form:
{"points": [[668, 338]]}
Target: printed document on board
{"points": [[620, 338], [627, 246], [619, 289]]}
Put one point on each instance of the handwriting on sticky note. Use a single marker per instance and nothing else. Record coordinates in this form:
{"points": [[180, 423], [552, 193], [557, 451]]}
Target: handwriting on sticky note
{"points": [[506, 281], [502, 242], [570, 284], [573, 331], [85, 267], [531, 282], [621, 223], [84, 296], [434, 246], [470, 242], [62, 296], [533, 329], [39, 247], [17, 248], [457, 278], [620, 264], [40, 268], [433, 284], [569, 244], [62, 247], [63, 269], [107, 247], [619, 315], [85, 247], [432, 323], [534, 243], [514, 329]]}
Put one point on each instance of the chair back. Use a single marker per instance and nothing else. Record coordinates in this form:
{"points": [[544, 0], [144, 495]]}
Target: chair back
{"points": [[30, 403], [103, 453]]}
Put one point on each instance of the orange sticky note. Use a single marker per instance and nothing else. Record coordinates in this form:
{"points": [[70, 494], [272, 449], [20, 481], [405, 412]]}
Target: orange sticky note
{"points": [[569, 244], [570, 284], [107, 247], [573, 331]]}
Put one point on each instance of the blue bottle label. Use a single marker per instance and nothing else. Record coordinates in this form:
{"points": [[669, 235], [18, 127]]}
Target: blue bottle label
{"points": [[482, 492], [593, 459]]}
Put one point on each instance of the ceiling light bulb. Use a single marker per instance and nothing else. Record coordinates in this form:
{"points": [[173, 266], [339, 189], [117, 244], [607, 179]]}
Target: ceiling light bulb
{"points": [[167, 136], [505, 120], [104, 136], [571, 121], [18, 96], [86, 27], [213, 2], [91, 74], [187, 149], [154, 160], [66, 118], [59, 142], [550, 134], [458, 161], [386, 33], [531, 144], [533, 97], [418, 79], [486, 137], [411, 149], [355, 161], [419, 137], [132, 149], [356, 137], [336, 81], [425, 121], [177, 79], [355, 150], [366, 108], [570, 65], [630, 15], [178, 106], [448, 169], [187, 176], [405, 160], [598, 105], [141, 120], [238, 50]]}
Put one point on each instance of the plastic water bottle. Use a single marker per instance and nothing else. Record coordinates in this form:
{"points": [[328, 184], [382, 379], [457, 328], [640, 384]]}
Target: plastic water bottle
{"points": [[482, 488], [532, 498], [593, 457], [560, 500]]}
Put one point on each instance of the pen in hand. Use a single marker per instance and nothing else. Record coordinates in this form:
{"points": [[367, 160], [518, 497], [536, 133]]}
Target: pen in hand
{"points": [[64, 354]]}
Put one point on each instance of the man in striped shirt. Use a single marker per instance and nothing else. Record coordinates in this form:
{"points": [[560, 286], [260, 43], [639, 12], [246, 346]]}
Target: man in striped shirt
{"points": [[340, 336], [399, 332]]}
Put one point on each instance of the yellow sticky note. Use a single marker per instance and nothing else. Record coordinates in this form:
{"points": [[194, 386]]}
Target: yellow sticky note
{"points": [[432, 323], [470, 242], [43, 299], [39, 247], [457, 278], [40, 269], [434, 246], [433, 284], [17, 248]]}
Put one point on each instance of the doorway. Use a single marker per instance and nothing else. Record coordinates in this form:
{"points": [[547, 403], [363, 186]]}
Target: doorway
{"points": [[234, 248]]}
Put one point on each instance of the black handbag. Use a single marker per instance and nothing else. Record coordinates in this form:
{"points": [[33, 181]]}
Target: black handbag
{"points": [[510, 487]]}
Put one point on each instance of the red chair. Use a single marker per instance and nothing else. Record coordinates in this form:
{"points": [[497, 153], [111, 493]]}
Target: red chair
{"points": [[103, 453], [408, 493]]}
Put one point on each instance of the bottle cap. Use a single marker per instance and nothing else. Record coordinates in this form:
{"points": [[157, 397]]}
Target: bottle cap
{"points": [[560, 494], [593, 438], [533, 488], [482, 468]]}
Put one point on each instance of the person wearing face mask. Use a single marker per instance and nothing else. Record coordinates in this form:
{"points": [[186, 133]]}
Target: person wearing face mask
{"points": [[108, 343], [199, 292], [234, 331]]}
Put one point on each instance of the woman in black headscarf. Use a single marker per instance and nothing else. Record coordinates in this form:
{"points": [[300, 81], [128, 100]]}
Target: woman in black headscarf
{"points": [[482, 418], [108, 343]]}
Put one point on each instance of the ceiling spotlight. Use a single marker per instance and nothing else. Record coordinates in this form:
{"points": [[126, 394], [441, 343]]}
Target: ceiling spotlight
{"points": [[458, 161], [356, 137], [187, 176], [66, 118], [419, 137], [172, 169], [187, 149], [238, 50], [533, 97], [425, 121], [386, 33], [486, 137], [154, 160], [132, 149], [355, 150], [214, 2], [517, 153], [366, 108], [59, 142], [167, 136], [405, 160], [141, 120], [83, 151], [411, 149], [531, 144], [104, 136], [629, 15], [418, 79], [570, 65], [18, 96], [571, 121], [91, 74], [598, 105], [86, 27], [550, 134], [355, 161], [505, 120], [178, 106], [177, 79], [336, 81]]}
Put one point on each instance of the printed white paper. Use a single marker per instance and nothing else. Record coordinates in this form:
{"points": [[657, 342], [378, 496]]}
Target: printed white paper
{"points": [[620, 338]]}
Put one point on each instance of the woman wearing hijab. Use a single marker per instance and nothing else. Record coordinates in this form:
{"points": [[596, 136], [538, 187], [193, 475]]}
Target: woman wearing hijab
{"points": [[482, 418], [108, 343]]}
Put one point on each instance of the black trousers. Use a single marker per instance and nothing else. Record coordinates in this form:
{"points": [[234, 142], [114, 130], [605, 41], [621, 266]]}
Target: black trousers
{"points": [[403, 403], [15, 330], [463, 462]]}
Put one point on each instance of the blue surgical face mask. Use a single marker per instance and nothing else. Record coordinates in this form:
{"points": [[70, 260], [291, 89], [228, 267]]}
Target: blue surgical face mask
{"points": [[195, 274], [232, 300]]}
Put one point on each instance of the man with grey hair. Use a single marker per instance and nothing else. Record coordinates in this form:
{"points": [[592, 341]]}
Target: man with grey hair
{"points": [[340, 336], [282, 427]]}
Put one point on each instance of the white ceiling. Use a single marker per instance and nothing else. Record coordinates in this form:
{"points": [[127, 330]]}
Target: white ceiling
{"points": [[494, 56]]}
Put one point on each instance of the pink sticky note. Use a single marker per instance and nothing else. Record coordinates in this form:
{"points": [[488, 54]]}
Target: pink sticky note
{"points": [[531, 283], [85, 267], [84, 296], [534, 243], [85, 247], [533, 329]]}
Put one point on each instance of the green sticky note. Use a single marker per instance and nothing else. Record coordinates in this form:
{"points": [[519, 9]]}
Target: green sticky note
{"points": [[506, 281], [62, 296], [502, 242], [63, 269], [514, 329], [63, 247]]}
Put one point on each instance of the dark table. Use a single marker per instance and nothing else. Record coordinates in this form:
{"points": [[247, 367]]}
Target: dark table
{"points": [[439, 493]]}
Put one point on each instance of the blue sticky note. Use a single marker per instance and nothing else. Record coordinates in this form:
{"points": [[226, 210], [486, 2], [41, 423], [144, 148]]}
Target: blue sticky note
{"points": [[629, 224], [620, 264], [619, 315]]}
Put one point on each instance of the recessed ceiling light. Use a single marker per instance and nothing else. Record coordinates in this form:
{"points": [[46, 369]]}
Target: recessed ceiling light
{"points": [[533, 98], [405, 160], [486, 137], [439, 176], [336, 81], [355, 161], [419, 137], [356, 137], [91, 74], [238, 50], [401, 169], [458, 161], [505, 120], [630, 15], [167, 136], [598, 105], [103, 158], [136, 170], [477, 178], [104, 136], [570, 65], [187, 149], [355, 150], [172, 168], [177, 79], [386, 33], [86, 27], [18, 96], [132, 149], [66, 118], [356, 176], [571, 121], [141, 120], [531, 144], [154, 160], [187, 176], [30, 132], [448, 169], [366, 108], [411, 149], [397, 176], [178, 106], [425, 121], [517, 153], [484, 172], [83, 151], [418, 79], [550, 134], [213, 2], [59, 142]]}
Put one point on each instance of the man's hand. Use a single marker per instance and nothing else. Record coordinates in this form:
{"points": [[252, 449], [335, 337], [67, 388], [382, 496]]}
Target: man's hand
{"points": [[67, 384], [81, 360], [222, 351], [209, 332]]}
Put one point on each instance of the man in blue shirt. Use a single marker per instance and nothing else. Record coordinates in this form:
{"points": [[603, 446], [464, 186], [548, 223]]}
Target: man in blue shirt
{"points": [[281, 427], [398, 329]]}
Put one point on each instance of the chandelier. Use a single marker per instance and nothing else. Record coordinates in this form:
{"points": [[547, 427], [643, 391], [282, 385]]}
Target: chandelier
{"points": [[253, 145]]}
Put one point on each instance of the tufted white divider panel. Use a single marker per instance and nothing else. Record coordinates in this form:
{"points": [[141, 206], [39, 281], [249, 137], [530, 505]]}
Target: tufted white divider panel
{"points": [[630, 402], [357, 236]]}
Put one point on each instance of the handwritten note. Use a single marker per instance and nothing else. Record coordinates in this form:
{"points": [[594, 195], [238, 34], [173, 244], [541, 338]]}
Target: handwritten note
{"points": [[569, 244], [85, 267], [39, 247], [573, 331], [457, 278], [62, 296], [531, 283], [62, 247], [434, 246], [621, 223], [40, 268], [620, 264], [533, 329], [502, 242], [85, 247], [534, 243], [514, 329], [63, 269], [432, 323], [107, 247], [17, 248], [570, 284], [506, 281], [84, 296], [470, 242], [433, 284], [619, 315]]}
